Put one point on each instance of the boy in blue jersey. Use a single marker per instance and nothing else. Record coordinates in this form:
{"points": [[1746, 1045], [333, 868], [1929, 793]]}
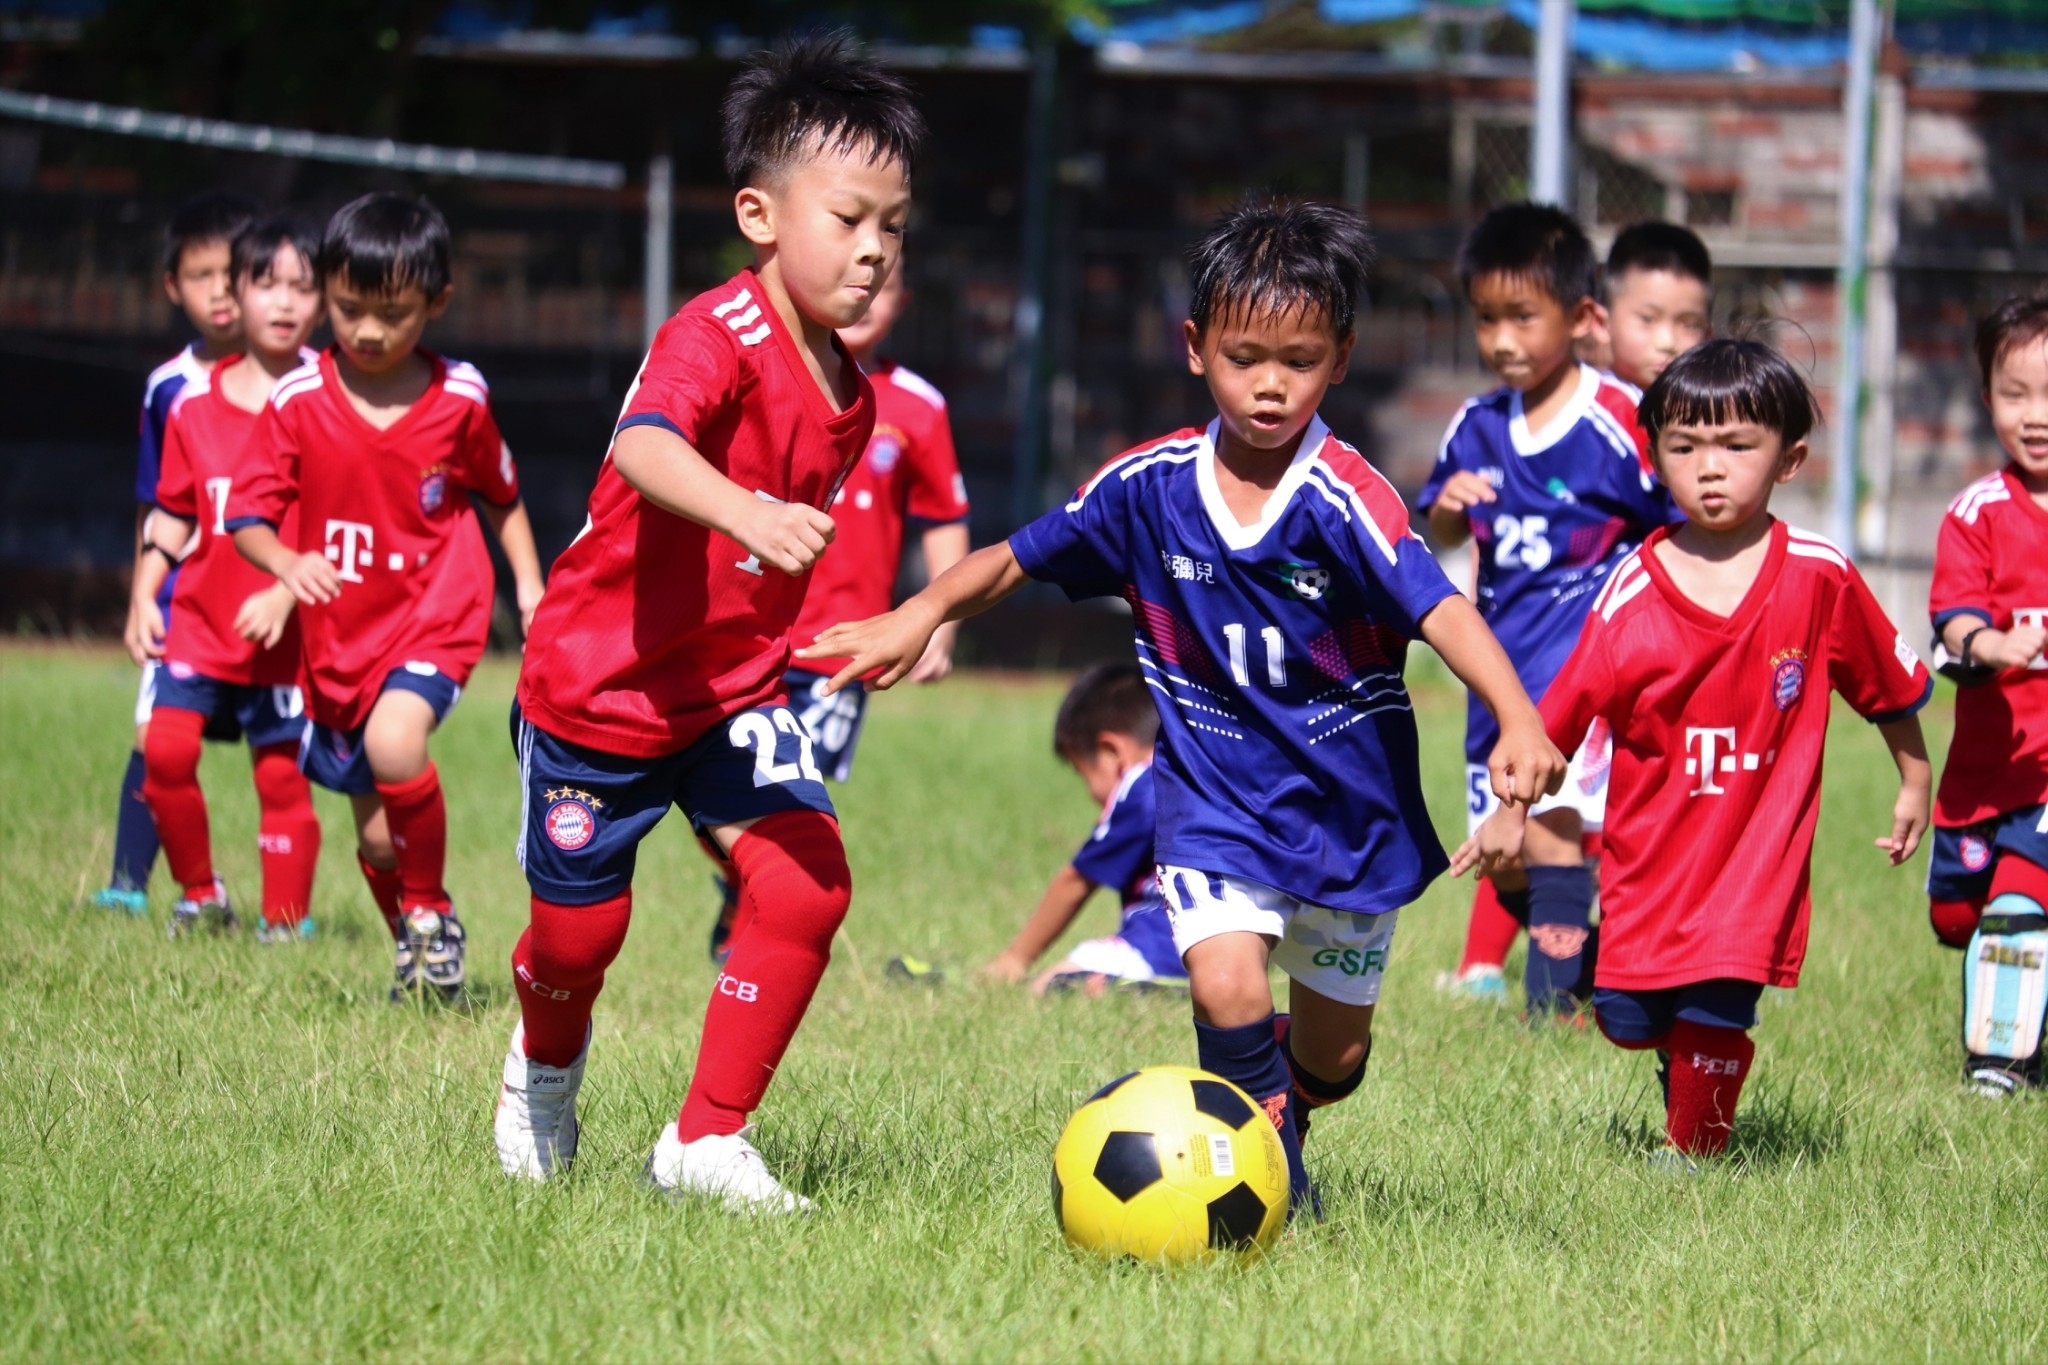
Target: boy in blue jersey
{"points": [[198, 280], [1544, 475], [1107, 729], [1274, 585]]}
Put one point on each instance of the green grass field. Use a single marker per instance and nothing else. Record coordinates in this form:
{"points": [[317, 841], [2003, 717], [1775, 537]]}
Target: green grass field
{"points": [[213, 1150]]}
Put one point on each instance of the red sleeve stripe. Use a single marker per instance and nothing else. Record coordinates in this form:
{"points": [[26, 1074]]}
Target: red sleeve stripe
{"points": [[1178, 448], [1342, 469]]}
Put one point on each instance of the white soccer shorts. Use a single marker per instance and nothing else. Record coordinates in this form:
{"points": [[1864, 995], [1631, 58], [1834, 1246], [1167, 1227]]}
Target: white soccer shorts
{"points": [[1584, 789], [1335, 953], [1111, 957]]}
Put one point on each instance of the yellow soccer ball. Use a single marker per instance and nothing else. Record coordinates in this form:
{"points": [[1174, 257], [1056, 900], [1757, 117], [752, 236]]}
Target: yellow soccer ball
{"points": [[1169, 1164]]}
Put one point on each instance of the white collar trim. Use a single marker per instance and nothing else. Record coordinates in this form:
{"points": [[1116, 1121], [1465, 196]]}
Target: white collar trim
{"points": [[1234, 535], [1528, 443]]}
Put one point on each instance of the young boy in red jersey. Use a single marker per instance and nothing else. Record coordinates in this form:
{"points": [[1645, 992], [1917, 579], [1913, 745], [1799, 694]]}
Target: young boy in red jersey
{"points": [[197, 280], [378, 445], [1659, 281], [1711, 653], [1545, 476], [1990, 607], [909, 476], [654, 673], [230, 655]]}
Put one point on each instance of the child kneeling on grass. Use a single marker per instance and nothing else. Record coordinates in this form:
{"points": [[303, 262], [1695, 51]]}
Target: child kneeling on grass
{"points": [[1275, 585], [1107, 729], [1711, 652]]}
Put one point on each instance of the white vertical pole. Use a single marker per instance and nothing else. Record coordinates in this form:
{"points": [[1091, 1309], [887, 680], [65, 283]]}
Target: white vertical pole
{"points": [[1550, 131], [655, 286], [1881, 319], [1857, 90]]}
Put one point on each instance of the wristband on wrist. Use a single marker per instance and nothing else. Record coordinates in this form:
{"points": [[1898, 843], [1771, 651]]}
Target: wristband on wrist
{"points": [[1963, 653], [169, 558]]}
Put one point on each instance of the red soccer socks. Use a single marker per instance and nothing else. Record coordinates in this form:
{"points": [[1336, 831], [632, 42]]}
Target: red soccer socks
{"points": [[418, 819], [794, 891], [1490, 932], [1708, 1067], [171, 787], [385, 890], [289, 835], [1954, 921], [559, 967]]}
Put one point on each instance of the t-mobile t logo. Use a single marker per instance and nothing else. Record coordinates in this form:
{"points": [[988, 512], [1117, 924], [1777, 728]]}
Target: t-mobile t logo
{"points": [[2035, 617], [1716, 751], [349, 544], [1716, 754]]}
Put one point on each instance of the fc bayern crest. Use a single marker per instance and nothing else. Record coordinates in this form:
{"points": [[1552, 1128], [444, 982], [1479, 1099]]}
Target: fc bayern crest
{"points": [[433, 492], [570, 824], [1975, 852], [1788, 678], [883, 454]]}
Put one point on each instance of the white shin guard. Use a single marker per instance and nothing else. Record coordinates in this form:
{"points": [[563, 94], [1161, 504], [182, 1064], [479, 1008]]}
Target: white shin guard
{"points": [[2005, 986]]}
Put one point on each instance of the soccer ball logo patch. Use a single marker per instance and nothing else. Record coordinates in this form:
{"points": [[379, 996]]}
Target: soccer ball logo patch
{"points": [[1788, 678], [1976, 853], [570, 823], [433, 492], [1308, 580]]}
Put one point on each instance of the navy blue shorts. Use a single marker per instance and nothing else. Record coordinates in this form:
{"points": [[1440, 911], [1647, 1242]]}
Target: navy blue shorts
{"points": [[262, 715], [1960, 868], [1645, 1016], [585, 811], [336, 760], [834, 721]]}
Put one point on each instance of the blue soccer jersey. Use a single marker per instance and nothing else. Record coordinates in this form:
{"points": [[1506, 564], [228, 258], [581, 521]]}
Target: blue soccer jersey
{"points": [[1287, 748], [1119, 854], [166, 382], [1571, 502]]}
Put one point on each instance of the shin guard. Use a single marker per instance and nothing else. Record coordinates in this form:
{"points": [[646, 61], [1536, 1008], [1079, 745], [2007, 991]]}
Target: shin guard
{"points": [[1250, 1057], [1560, 904], [2005, 992], [559, 966]]}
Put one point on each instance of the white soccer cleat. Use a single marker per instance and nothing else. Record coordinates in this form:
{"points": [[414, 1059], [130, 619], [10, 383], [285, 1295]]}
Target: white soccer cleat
{"points": [[721, 1167], [536, 1122]]}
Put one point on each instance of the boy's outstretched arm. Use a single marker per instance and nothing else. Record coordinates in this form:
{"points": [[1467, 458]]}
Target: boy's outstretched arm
{"points": [[514, 530], [895, 642], [1063, 899], [1524, 764], [1916, 787], [667, 471], [310, 577]]}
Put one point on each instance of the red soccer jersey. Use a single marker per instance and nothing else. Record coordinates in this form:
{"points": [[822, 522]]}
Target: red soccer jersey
{"points": [[1719, 727], [388, 509], [1991, 562], [1625, 413], [205, 453], [654, 627], [909, 472]]}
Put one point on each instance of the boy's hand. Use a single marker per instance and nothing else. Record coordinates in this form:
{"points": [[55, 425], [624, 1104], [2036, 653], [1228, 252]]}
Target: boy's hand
{"points": [[1463, 491], [528, 596], [1006, 968], [1524, 765], [145, 634], [311, 579], [1496, 845], [784, 535], [2015, 648], [1909, 822], [262, 615], [892, 643]]}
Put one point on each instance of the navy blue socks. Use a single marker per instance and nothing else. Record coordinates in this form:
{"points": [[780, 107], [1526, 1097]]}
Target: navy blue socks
{"points": [[1560, 904], [1250, 1058], [135, 844]]}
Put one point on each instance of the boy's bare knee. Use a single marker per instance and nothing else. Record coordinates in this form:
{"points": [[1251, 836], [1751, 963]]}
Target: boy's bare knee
{"points": [[1554, 839], [395, 739]]}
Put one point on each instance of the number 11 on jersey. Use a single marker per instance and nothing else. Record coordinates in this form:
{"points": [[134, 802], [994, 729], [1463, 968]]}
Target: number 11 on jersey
{"points": [[1276, 655]]}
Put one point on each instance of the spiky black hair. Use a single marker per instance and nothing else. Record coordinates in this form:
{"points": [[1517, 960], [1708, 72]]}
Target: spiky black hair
{"points": [[385, 244], [258, 244], [212, 217], [1271, 253], [1730, 379], [1534, 242], [2016, 322], [820, 91], [1660, 246], [1110, 698]]}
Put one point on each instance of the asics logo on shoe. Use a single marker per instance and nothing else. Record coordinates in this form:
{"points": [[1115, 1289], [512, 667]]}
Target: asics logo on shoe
{"points": [[744, 991]]}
